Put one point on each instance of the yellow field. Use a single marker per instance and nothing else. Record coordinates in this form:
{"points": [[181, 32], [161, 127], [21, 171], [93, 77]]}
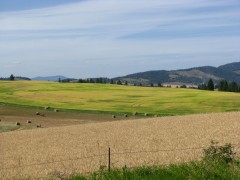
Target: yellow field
{"points": [[60, 151]]}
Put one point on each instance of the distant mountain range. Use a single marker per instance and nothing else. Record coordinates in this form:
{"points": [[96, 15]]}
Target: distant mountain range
{"points": [[49, 78], [196, 75]]}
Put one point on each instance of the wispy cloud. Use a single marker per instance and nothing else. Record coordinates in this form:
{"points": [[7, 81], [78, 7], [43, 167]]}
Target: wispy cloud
{"points": [[113, 33]]}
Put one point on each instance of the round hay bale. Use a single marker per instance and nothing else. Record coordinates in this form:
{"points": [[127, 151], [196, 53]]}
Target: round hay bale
{"points": [[56, 110], [47, 107], [39, 126], [134, 113], [29, 121], [146, 114], [113, 116], [125, 115], [18, 123], [37, 113]]}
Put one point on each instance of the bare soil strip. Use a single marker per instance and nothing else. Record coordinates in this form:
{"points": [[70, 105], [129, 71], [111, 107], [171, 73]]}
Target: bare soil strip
{"points": [[48, 118]]}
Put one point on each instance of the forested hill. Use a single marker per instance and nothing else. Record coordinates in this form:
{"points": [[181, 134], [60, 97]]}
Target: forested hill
{"points": [[196, 75]]}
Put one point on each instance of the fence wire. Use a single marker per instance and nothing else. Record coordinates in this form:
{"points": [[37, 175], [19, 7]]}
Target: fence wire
{"points": [[106, 154]]}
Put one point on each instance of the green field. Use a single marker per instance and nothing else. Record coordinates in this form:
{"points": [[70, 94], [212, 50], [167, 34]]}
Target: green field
{"points": [[106, 98]]}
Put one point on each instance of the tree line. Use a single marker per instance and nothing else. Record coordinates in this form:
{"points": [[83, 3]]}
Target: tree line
{"points": [[12, 78], [222, 85]]}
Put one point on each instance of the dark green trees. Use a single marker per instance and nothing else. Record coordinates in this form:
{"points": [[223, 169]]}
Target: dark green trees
{"points": [[223, 85], [233, 87], [202, 86], [210, 85], [11, 78], [119, 82]]}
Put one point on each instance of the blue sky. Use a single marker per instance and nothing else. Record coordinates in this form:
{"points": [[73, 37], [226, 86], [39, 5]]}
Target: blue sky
{"points": [[109, 38]]}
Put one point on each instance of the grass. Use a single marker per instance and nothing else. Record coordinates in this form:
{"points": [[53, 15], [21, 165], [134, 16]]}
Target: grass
{"points": [[193, 170], [5, 127], [105, 98]]}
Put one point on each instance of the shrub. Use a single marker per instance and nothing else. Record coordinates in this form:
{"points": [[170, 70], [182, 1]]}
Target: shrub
{"points": [[218, 153]]}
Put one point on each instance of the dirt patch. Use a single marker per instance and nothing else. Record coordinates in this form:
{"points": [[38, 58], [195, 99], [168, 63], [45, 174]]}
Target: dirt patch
{"points": [[48, 118]]}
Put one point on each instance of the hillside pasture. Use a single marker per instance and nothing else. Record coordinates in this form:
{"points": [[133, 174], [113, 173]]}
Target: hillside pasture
{"points": [[105, 98], [61, 151]]}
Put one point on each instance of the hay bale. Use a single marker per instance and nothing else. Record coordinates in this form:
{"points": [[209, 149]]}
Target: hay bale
{"points": [[47, 107], [39, 126], [18, 123], [113, 116], [125, 115], [29, 121], [0, 120], [56, 110], [37, 113], [134, 113], [146, 114]]}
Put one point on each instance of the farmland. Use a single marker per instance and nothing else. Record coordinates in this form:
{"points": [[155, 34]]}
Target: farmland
{"points": [[51, 152], [76, 139], [108, 99]]}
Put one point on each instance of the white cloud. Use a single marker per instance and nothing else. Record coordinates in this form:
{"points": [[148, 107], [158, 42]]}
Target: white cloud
{"points": [[91, 32]]}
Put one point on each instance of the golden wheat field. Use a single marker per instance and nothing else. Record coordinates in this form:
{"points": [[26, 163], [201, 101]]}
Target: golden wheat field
{"points": [[61, 151]]}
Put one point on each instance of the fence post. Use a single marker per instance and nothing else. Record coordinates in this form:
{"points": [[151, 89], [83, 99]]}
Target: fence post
{"points": [[109, 159]]}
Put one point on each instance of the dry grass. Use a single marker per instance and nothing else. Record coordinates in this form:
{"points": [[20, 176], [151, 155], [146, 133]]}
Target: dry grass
{"points": [[68, 143]]}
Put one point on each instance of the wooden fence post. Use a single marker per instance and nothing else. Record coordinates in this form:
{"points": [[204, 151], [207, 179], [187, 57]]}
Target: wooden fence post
{"points": [[109, 159]]}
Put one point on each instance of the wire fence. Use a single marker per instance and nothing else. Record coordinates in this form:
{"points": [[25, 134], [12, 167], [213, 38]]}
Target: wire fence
{"points": [[108, 155]]}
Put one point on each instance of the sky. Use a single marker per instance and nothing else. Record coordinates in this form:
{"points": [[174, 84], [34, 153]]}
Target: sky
{"points": [[110, 38]]}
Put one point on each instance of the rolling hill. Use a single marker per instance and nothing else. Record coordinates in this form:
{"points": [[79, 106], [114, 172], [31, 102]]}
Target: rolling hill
{"points": [[196, 75], [115, 99]]}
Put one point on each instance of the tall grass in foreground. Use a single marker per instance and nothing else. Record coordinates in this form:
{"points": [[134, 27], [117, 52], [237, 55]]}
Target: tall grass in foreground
{"points": [[218, 163]]}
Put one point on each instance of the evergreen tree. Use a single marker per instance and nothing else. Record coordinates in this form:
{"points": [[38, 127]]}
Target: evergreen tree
{"points": [[225, 86], [81, 81], [233, 87], [11, 78], [159, 84], [111, 82], [126, 83], [100, 80], [210, 85], [92, 81], [202, 86], [119, 82]]}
